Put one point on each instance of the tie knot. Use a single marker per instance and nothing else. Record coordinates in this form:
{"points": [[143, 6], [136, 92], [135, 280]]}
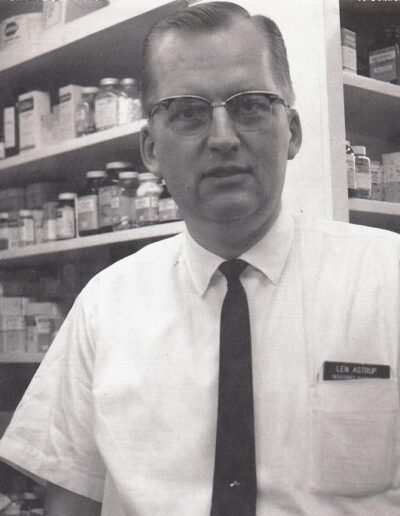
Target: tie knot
{"points": [[232, 269]]}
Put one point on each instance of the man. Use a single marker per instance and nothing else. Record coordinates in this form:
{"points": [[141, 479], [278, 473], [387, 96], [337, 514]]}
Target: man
{"points": [[129, 408]]}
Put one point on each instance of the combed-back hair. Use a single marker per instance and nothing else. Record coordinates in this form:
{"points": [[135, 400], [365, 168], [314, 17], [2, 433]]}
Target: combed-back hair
{"points": [[209, 17]]}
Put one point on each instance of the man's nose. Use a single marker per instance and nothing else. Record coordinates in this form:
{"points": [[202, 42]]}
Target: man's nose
{"points": [[222, 135]]}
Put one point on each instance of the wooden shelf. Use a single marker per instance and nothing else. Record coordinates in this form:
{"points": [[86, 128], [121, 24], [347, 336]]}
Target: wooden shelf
{"points": [[74, 156], [380, 214], [21, 358], [78, 247], [371, 105]]}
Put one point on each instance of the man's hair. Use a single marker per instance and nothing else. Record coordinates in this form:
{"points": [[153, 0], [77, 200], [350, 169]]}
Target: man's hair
{"points": [[209, 17]]}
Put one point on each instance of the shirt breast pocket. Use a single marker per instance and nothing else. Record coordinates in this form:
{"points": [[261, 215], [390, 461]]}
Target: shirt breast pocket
{"points": [[353, 436]]}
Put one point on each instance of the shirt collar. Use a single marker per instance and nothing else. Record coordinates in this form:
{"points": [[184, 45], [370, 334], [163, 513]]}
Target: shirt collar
{"points": [[268, 255]]}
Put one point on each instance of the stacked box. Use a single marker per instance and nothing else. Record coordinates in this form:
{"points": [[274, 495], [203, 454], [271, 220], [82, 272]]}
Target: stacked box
{"points": [[12, 324], [43, 319], [69, 98], [34, 116], [391, 176], [349, 52]]}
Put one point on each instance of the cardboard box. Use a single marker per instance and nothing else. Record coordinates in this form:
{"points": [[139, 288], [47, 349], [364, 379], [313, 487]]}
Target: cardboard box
{"points": [[34, 117], [69, 98], [46, 308], [13, 341], [12, 305], [349, 51], [20, 31], [391, 176], [58, 12], [12, 322]]}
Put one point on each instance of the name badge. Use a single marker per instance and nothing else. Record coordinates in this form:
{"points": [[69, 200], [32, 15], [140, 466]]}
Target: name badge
{"points": [[354, 371]]}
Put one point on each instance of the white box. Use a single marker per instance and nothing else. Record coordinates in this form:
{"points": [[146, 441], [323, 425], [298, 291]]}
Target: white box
{"points": [[12, 322], [377, 188], [13, 341], [69, 98], [34, 116], [391, 176], [58, 12], [349, 52], [12, 305], [20, 31], [46, 308]]}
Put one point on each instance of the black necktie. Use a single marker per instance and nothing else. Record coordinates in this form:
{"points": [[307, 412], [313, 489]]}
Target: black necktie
{"points": [[235, 482]]}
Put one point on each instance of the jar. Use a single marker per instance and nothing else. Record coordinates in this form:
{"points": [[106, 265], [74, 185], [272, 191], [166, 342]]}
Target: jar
{"points": [[363, 173], [108, 191], [88, 203], [106, 104], [168, 210], [124, 207], [12, 510], [85, 111], [350, 170], [49, 233], [38, 220], [4, 230], [129, 105], [29, 501], [66, 216], [26, 228], [147, 198]]}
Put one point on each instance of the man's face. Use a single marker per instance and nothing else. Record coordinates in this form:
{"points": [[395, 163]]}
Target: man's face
{"points": [[222, 175]]}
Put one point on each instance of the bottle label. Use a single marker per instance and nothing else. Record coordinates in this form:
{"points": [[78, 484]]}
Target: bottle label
{"points": [[49, 230], [147, 208], [106, 112], [9, 128], [167, 210], [129, 110], [105, 205], [127, 210], [88, 216], [351, 171], [382, 64], [363, 175], [65, 222], [13, 236]]}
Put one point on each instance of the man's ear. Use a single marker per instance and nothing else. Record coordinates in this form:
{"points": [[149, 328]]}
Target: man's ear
{"points": [[296, 134], [148, 150]]}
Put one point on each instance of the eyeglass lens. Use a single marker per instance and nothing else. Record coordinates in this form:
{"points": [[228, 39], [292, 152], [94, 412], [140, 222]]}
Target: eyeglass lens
{"points": [[248, 111]]}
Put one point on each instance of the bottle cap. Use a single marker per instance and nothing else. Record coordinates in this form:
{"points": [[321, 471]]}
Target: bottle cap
{"points": [[347, 142], [128, 81], [112, 165], [90, 90], [359, 149], [147, 176], [25, 213], [93, 174], [109, 81], [4, 215], [128, 174], [67, 196]]}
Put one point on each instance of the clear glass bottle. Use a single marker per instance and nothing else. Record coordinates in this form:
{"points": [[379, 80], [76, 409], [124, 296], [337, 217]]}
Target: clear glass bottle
{"points": [[147, 199], [124, 208], [85, 112], [363, 173], [351, 170], [49, 230], [66, 216], [4, 230], [168, 210], [108, 191], [106, 104], [384, 56], [129, 106], [26, 226], [13, 230], [88, 203]]}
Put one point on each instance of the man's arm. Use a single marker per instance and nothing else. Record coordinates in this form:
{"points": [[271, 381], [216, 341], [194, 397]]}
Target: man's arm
{"points": [[61, 502]]}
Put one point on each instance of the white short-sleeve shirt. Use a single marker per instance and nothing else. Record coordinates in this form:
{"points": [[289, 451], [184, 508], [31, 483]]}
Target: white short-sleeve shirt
{"points": [[123, 408]]}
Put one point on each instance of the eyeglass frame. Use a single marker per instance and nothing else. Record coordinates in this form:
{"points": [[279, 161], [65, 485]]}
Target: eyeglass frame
{"points": [[273, 97]]}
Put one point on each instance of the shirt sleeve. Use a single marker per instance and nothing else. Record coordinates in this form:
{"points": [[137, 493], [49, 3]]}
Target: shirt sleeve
{"points": [[52, 433]]}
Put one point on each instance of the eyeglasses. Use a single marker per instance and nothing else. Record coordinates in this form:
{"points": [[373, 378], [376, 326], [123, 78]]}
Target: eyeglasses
{"points": [[191, 115]]}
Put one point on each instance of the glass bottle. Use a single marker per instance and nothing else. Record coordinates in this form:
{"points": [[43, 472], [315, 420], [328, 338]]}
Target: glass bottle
{"points": [[124, 211], [66, 216], [26, 226], [4, 230], [384, 56], [88, 203], [108, 191], [106, 104], [129, 106], [85, 112], [351, 170], [167, 208], [49, 230], [147, 199], [11, 130], [363, 173]]}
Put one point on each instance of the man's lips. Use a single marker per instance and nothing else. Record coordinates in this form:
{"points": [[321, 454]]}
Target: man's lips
{"points": [[226, 171]]}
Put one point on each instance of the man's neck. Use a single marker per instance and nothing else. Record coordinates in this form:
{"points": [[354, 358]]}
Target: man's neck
{"points": [[228, 240]]}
